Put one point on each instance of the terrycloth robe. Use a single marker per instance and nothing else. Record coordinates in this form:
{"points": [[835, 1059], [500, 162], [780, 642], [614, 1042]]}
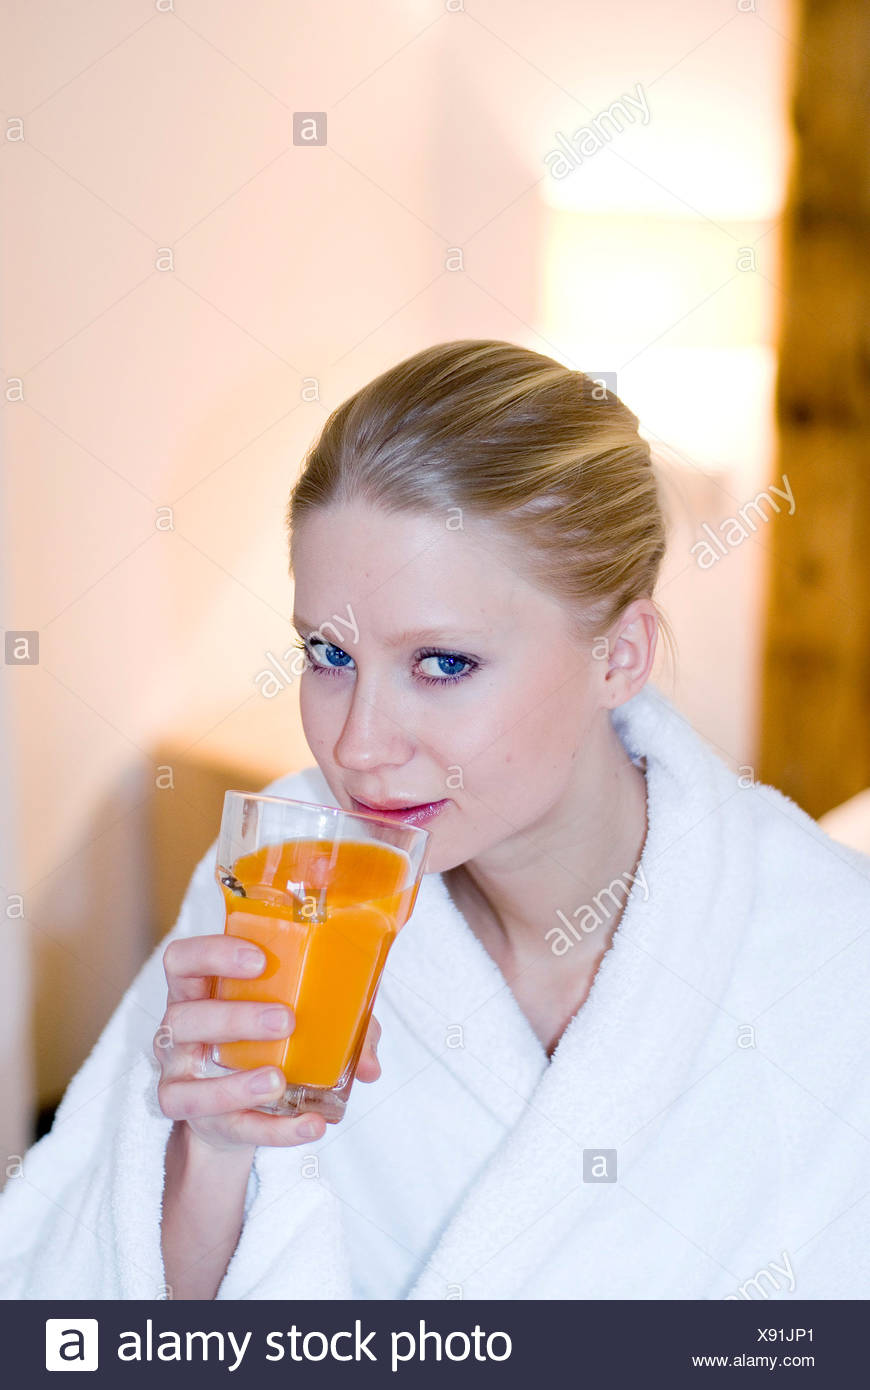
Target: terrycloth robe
{"points": [[702, 1130]]}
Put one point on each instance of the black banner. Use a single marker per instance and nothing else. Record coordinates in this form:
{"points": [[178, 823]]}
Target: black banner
{"points": [[494, 1343]]}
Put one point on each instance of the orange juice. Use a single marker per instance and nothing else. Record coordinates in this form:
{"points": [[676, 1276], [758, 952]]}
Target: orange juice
{"points": [[325, 948]]}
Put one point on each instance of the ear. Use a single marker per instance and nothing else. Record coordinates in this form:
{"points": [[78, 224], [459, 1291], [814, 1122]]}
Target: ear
{"points": [[631, 652]]}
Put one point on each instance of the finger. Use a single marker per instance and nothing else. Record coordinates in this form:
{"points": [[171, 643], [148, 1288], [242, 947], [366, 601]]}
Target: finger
{"points": [[200, 1097], [253, 1127], [368, 1068], [175, 1058], [190, 962], [218, 1020]]}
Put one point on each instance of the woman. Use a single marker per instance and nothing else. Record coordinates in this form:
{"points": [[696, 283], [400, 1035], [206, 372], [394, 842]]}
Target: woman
{"points": [[621, 1034]]}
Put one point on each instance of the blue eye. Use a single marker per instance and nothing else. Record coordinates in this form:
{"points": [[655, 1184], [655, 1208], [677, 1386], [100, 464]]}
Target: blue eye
{"points": [[337, 660], [447, 664]]}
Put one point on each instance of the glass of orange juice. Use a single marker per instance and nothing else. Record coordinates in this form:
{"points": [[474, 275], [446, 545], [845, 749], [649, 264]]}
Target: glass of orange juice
{"points": [[323, 892]]}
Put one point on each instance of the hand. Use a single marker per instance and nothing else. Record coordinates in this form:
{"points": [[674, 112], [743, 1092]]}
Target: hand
{"points": [[217, 1109]]}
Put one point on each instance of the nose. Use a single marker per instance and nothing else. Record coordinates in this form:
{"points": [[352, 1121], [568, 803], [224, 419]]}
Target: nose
{"points": [[373, 735]]}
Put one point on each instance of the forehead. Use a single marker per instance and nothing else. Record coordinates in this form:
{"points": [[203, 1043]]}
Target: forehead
{"points": [[404, 572]]}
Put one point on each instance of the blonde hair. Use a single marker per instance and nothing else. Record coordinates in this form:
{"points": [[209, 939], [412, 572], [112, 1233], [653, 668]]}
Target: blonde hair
{"points": [[508, 435]]}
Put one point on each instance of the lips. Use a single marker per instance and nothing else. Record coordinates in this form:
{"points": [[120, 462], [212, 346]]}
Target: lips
{"points": [[391, 805], [415, 815]]}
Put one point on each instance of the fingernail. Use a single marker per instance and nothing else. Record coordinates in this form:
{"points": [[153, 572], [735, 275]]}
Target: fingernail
{"points": [[309, 1129], [266, 1082], [277, 1019], [249, 958]]}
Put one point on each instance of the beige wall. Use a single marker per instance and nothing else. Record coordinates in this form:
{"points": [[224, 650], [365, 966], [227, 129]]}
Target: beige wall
{"points": [[147, 388], [17, 1073]]}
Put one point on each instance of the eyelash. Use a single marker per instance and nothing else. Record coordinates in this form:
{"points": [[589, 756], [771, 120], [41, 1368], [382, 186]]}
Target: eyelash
{"points": [[421, 656]]}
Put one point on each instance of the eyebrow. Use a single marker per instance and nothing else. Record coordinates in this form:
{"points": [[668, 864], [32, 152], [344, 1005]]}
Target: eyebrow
{"points": [[400, 639]]}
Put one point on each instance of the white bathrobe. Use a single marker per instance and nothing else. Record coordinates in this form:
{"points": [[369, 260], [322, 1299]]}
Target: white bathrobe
{"points": [[715, 1080]]}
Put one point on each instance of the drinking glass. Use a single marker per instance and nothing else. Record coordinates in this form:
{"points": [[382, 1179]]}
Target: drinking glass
{"points": [[323, 892]]}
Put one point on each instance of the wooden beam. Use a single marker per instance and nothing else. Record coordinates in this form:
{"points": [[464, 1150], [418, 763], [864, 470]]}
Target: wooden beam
{"points": [[815, 700]]}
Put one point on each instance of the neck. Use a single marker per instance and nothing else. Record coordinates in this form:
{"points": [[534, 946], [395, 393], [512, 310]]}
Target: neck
{"points": [[558, 889]]}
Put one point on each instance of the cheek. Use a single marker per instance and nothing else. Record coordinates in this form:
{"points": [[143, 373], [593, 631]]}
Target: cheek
{"points": [[523, 759], [520, 773], [315, 716]]}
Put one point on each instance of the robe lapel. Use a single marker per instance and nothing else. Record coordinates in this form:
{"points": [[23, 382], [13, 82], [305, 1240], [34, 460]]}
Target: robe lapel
{"points": [[450, 993]]}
